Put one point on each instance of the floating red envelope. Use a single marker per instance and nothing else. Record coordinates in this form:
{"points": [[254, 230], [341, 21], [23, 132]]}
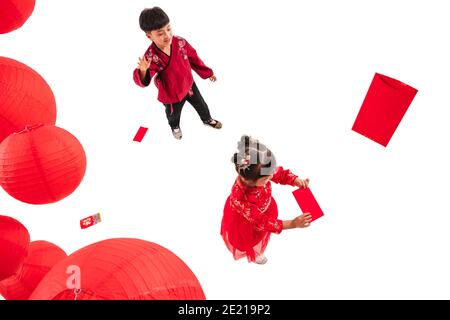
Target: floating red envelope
{"points": [[308, 203], [383, 108], [90, 221], [140, 134]]}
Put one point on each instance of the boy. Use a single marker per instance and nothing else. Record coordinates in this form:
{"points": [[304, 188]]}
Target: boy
{"points": [[169, 60]]}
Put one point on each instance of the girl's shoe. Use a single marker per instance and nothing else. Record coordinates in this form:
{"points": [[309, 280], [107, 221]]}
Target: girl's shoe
{"points": [[260, 260]]}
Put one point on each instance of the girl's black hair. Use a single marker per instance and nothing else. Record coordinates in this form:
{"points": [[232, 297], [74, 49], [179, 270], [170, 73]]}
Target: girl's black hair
{"points": [[253, 159], [153, 19]]}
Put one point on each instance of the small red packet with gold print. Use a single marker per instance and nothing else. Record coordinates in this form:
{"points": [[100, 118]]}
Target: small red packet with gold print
{"points": [[90, 221]]}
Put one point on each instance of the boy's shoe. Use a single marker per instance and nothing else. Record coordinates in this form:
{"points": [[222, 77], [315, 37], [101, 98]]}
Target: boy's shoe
{"points": [[213, 123], [260, 260], [177, 134]]}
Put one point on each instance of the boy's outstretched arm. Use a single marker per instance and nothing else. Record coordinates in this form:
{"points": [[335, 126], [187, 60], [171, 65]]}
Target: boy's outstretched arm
{"points": [[143, 66], [143, 74], [198, 65]]}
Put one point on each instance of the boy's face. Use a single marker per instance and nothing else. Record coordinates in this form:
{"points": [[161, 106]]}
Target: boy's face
{"points": [[161, 37]]}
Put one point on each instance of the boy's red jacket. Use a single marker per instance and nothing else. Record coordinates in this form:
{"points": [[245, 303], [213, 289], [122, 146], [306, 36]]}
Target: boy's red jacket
{"points": [[173, 73]]}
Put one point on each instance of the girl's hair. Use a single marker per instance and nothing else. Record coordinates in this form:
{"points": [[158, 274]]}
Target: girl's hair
{"points": [[153, 19], [253, 159]]}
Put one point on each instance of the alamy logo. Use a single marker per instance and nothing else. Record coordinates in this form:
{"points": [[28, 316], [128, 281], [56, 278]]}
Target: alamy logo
{"points": [[74, 280]]}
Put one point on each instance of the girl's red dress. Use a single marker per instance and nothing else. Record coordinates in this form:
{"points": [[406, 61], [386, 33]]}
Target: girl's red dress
{"points": [[251, 215]]}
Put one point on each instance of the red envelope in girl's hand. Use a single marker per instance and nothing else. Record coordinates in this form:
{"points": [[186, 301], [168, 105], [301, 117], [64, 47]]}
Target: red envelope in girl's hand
{"points": [[140, 134], [383, 108], [308, 203]]}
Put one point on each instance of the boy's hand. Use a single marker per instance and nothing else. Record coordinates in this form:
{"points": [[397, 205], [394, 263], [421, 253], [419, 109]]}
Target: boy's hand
{"points": [[301, 183], [143, 64], [302, 221], [213, 78]]}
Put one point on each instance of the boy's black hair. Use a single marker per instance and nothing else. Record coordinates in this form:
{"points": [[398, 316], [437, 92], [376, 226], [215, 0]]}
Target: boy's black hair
{"points": [[153, 19], [253, 159]]}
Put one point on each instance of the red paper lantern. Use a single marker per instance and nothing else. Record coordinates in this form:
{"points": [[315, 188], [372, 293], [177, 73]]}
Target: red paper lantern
{"points": [[14, 13], [42, 256], [25, 98], [42, 164], [14, 242], [120, 269]]}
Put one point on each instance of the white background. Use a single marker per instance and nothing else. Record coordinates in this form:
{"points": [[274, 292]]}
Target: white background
{"points": [[294, 75]]}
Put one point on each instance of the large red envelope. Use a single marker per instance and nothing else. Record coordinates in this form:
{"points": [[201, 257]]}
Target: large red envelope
{"points": [[308, 203], [140, 134], [383, 108]]}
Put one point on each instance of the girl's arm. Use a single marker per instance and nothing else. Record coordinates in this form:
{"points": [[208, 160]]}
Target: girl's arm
{"points": [[286, 177], [302, 221]]}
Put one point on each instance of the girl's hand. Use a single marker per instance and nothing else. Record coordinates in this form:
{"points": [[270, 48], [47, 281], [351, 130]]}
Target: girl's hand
{"points": [[301, 183], [143, 64], [302, 221], [213, 78]]}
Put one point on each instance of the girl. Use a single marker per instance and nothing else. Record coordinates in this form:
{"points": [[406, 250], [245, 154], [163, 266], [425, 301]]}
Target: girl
{"points": [[250, 213]]}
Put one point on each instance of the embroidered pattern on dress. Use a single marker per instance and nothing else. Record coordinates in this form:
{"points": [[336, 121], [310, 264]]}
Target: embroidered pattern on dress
{"points": [[245, 211], [154, 59], [264, 199], [275, 225], [149, 55], [284, 176], [181, 47], [291, 178]]}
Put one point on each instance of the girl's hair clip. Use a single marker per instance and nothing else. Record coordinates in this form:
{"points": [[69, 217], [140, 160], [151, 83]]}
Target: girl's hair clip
{"points": [[245, 162]]}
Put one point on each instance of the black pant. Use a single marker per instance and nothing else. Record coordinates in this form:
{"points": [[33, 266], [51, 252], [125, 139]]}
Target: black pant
{"points": [[173, 111]]}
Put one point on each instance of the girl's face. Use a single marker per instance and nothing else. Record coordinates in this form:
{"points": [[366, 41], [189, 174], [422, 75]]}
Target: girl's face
{"points": [[261, 182]]}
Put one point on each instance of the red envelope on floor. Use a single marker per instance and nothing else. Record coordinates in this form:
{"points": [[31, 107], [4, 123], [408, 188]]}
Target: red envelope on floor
{"points": [[90, 221], [308, 203], [383, 108], [140, 134]]}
